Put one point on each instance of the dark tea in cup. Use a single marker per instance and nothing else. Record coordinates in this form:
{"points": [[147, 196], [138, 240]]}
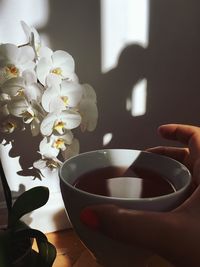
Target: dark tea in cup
{"points": [[122, 182]]}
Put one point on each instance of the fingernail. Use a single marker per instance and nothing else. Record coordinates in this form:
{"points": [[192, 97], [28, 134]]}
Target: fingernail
{"points": [[90, 219]]}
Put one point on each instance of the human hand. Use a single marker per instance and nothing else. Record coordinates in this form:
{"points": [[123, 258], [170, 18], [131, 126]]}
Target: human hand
{"points": [[190, 155], [173, 235]]}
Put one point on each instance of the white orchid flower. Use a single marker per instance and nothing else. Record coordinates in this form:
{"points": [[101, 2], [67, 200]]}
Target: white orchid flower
{"points": [[61, 141], [30, 113], [14, 60], [47, 150], [13, 87], [46, 164], [50, 147], [8, 126], [40, 91], [8, 72], [60, 123], [33, 90], [60, 97], [25, 86], [32, 36], [58, 63], [88, 108], [38, 115], [49, 156], [7, 123], [18, 106]]}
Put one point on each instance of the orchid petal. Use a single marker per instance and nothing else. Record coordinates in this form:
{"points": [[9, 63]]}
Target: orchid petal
{"points": [[68, 137], [60, 141], [8, 52], [13, 86], [47, 150], [89, 113], [20, 57], [46, 126], [39, 164], [71, 150], [43, 69], [29, 76], [52, 80], [34, 92], [56, 105], [18, 106], [62, 58], [32, 35], [35, 128], [26, 54], [47, 97], [88, 92], [69, 120], [46, 52], [73, 91], [26, 29]]}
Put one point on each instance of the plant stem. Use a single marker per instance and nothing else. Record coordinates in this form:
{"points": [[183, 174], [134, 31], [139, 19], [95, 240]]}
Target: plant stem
{"points": [[6, 189]]}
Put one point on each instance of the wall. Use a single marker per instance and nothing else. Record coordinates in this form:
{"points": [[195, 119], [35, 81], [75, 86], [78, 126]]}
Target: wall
{"points": [[170, 64]]}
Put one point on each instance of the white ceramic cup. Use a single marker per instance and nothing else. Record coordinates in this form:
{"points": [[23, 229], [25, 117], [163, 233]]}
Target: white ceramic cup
{"points": [[109, 252]]}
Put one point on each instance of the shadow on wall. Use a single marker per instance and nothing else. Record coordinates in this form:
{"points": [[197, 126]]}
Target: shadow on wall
{"points": [[171, 65]]}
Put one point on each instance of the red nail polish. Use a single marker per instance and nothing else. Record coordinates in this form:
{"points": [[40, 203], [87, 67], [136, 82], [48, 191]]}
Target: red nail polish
{"points": [[90, 219]]}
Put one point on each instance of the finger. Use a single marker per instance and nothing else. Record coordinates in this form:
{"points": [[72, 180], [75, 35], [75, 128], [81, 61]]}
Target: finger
{"points": [[179, 154], [186, 134], [191, 205], [148, 229], [165, 233], [189, 135], [179, 132]]}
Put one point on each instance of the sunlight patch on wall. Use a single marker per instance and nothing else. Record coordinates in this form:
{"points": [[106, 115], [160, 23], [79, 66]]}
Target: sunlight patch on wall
{"points": [[107, 138], [123, 22], [138, 99], [33, 12]]}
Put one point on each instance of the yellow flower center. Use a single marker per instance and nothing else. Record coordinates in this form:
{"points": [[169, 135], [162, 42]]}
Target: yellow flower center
{"points": [[59, 126], [57, 71], [50, 163], [28, 116], [59, 143], [9, 127], [65, 100], [12, 71], [20, 92]]}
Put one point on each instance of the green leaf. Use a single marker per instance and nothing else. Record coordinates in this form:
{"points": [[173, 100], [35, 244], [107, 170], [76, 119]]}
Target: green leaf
{"points": [[28, 201], [47, 251]]}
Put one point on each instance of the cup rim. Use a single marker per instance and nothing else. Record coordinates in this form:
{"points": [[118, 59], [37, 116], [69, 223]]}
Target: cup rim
{"points": [[135, 199]]}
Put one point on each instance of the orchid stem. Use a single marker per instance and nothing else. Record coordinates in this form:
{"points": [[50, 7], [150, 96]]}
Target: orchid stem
{"points": [[6, 189]]}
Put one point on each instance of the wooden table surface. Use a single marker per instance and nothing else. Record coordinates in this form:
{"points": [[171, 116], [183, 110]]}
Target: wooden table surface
{"points": [[72, 253], [70, 250]]}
